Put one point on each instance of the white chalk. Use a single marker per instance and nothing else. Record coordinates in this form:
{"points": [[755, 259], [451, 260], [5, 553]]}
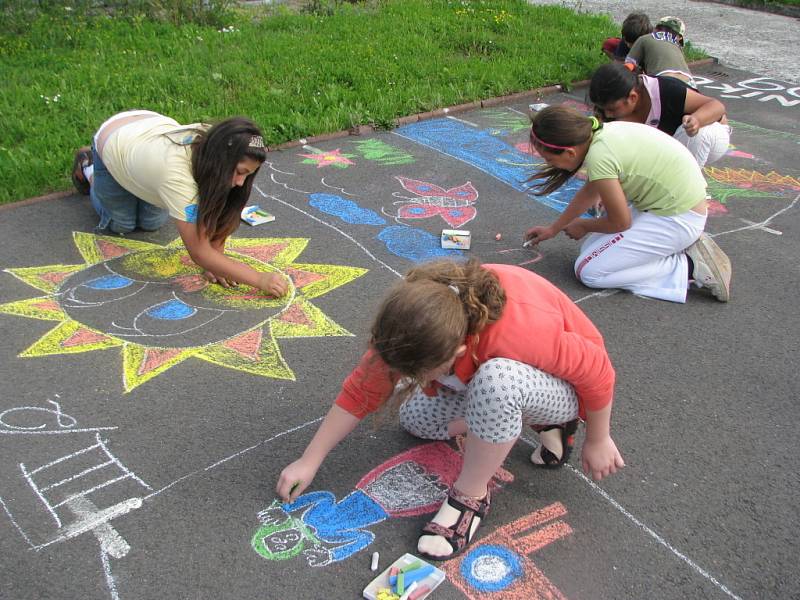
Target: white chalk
{"points": [[375, 558], [528, 244]]}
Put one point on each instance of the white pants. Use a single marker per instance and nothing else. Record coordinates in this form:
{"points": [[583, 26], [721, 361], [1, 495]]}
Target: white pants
{"points": [[709, 145], [646, 259]]}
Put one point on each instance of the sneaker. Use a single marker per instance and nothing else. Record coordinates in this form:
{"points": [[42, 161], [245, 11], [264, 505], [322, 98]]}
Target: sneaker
{"points": [[83, 158], [712, 267]]}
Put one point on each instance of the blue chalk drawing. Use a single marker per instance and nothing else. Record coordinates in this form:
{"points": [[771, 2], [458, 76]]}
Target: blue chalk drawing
{"points": [[347, 210], [485, 152], [109, 282], [491, 568], [414, 244], [172, 310]]}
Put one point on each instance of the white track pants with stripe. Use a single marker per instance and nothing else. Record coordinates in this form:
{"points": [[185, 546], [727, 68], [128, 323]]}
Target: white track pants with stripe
{"points": [[646, 259]]}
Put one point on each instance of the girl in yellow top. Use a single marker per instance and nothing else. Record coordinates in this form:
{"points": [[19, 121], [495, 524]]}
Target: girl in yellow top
{"points": [[144, 167]]}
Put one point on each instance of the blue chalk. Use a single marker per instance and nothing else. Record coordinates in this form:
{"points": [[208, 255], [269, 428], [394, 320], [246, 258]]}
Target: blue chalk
{"points": [[417, 575]]}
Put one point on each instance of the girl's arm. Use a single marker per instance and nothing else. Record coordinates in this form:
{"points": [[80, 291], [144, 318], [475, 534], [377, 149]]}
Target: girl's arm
{"points": [[699, 111], [296, 477], [607, 191], [213, 259], [600, 455]]}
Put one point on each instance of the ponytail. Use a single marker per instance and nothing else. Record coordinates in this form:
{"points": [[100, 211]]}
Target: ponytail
{"points": [[612, 82], [553, 130]]}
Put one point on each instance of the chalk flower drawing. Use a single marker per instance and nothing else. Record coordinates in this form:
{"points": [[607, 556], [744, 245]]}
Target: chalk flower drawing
{"points": [[331, 158], [153, 302]]}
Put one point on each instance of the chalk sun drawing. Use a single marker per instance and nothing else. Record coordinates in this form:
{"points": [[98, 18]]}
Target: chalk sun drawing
{"points": [[455, 205], [411, 483], [152, 302]]}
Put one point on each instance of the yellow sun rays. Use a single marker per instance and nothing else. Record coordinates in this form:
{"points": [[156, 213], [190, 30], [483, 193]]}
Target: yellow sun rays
{"points": [[254, 350]]}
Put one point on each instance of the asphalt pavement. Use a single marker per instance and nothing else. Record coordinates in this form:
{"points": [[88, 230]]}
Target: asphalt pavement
{"points": [[145, 418]]}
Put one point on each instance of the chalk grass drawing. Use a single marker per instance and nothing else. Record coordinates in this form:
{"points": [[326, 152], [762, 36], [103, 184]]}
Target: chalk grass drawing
{"points": [[499, 566], [153, 303], [745, 179], [382, 153], [773, 133], [327, 158], [506, 122], [325, 531], [455, 205]]}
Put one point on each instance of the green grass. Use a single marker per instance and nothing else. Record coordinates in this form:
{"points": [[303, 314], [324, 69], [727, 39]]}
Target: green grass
{"points": [[296, 73]]}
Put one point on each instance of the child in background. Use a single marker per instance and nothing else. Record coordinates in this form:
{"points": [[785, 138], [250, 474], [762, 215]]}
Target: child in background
{"points": [[144, 167], [634, 26], [457, 338], [661, 52], [696, 121], [652, 247]]}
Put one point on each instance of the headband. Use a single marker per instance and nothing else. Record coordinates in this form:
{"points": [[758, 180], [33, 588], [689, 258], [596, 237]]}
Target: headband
{"points": [[455, 289], [595, 126], [256, 142]]}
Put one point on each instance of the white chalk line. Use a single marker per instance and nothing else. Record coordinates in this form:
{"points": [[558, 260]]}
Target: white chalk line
{"points": [[336, 229], [760, 225], [55, 431], [627, 514], [15, 524], [112, 585], [475, 125], [110, 540], [232, 456]]}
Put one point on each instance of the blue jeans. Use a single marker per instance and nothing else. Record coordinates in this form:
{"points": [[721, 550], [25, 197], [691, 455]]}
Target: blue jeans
{"points": [[119, 210]]}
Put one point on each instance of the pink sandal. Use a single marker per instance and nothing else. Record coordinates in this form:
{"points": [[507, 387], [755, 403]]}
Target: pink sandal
{"points": [[460, 535]]}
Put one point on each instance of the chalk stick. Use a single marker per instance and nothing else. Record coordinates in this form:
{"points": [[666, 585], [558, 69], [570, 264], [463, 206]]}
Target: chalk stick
{"points": [[417, 574], [528, 244], [401, 583], [409, 591], [374, 564], [419, 592], [393, 575], [411, 566]]}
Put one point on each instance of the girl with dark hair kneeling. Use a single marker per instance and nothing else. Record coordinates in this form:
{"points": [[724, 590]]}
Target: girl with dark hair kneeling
{"points": [[481, 350], [144, 167], [653, 247]]}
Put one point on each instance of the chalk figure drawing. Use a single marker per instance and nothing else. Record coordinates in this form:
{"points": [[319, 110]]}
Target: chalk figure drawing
{"points": [[153, 302], [325, 531]]}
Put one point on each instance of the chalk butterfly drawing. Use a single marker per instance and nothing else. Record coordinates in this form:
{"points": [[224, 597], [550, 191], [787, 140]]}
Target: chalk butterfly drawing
{"points": [[454, 205], [325, 531]]}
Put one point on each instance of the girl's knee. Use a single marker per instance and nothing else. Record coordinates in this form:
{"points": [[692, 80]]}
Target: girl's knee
{"points": [[588, 274]]}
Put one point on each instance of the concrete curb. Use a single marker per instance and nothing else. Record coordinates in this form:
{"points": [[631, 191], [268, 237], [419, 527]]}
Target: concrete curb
{"points": [[534, 94]]}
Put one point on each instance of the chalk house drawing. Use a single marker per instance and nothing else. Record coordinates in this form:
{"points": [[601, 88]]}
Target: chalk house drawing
{"points": [[325, 531], [80, 488], [499, 565], [153, 302]]}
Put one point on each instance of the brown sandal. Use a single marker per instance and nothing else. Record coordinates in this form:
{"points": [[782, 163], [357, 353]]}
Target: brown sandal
{"points": [[83, 158], [460, 535]]}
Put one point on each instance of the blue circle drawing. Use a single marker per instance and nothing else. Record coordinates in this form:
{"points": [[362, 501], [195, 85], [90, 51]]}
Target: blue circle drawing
{"points": [[174, 310], [455, 212], [424, 188], [491, 568], [416, 210], [109, 282]]}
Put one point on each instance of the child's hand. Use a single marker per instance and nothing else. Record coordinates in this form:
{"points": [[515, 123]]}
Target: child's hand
{"points": [[537, 234], [601, 458], [294, 479], [690, 125], [273, 283], [226, 283], [575, 230]]}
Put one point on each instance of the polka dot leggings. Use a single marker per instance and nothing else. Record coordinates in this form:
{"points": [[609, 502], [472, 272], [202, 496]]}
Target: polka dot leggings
{"points": [[502, 396]]}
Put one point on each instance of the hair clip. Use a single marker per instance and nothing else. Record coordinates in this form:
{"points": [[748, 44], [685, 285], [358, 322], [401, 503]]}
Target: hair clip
{"points": [[256, 142], [455, 289], [595, 123]]}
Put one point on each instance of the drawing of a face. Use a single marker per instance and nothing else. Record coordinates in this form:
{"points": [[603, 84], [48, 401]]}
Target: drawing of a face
{"points": [[282, 541], [161, 296]]}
